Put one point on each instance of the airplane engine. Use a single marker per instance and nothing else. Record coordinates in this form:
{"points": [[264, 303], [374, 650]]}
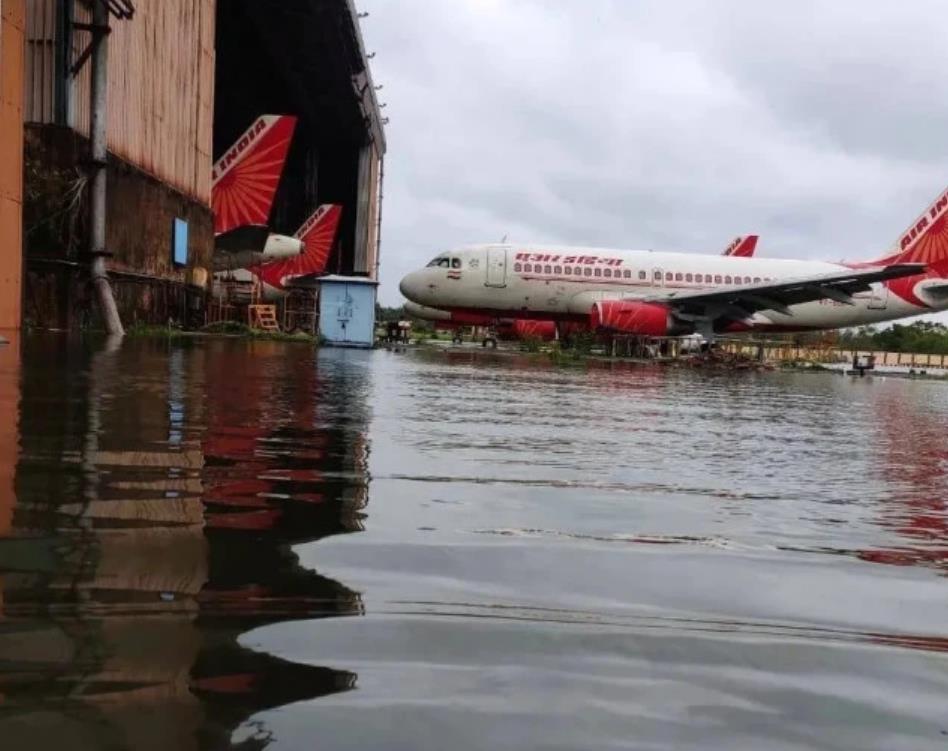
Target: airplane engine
{"points": [[525, 329], [278, 247], [637, 318]]}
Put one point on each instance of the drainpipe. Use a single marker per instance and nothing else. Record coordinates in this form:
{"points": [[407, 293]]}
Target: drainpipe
{"points": [[100, 115]]}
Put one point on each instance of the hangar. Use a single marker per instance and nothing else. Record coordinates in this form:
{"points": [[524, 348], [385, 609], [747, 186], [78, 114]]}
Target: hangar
{"points": [[185, 78]]}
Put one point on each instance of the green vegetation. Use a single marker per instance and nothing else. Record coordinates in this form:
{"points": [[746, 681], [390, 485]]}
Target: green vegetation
{"points": [[221, 328], [922, 337]]}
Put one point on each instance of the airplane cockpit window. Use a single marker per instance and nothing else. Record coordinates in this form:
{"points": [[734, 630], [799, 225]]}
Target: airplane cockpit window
{"points": [[441, 261], [455, 263]]}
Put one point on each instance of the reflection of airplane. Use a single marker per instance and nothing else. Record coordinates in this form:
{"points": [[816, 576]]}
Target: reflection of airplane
{"points": [[669, 294], [245, 180], [742, 245], [274, 277]]}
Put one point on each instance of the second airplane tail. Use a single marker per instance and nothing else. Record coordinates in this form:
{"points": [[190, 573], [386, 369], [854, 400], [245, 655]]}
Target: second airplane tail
{"points": [[742, 246], [317, 235]]}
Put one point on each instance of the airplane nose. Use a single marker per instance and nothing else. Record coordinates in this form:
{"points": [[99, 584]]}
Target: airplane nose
{"points": [[410, 286]]}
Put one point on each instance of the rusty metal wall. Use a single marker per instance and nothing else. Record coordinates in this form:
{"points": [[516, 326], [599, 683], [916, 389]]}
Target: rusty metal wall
{"points": [[161, 86], [12, 21], [41, 61]]}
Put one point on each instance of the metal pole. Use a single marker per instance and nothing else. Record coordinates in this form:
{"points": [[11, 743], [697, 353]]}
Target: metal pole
{"points": [[100, 81]]}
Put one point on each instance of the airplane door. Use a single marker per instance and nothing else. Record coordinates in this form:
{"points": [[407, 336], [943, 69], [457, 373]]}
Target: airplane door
{"points": [[496, 267], [880, 296]]}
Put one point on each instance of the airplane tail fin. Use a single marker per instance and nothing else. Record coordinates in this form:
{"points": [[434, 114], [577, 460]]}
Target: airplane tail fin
{"points": [[318, 234], [245, 178], [742, 245], [925, 240]]}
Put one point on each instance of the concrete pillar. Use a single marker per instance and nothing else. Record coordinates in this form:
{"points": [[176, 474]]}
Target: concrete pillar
{"points": [[12, 25]]}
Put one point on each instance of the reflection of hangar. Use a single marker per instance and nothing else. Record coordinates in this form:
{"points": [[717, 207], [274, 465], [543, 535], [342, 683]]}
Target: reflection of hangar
{"points": [[185, 77]]}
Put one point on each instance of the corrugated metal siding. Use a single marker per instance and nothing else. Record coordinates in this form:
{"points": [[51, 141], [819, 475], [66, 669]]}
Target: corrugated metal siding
{"points": [[161, 77], [79, 115], [161, 86], [40, 88]]}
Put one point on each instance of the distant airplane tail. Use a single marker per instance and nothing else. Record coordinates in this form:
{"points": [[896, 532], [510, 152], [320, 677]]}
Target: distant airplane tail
{"points": [[742, 246], [245, 178], [925, 240], [318, 234]]}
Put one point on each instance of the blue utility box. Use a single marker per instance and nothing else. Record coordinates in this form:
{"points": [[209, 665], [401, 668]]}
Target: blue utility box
{"points": [[347, 311]]}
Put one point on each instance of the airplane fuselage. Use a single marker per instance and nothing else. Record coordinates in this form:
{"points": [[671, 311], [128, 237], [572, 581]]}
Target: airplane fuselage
{"points": [[563, 283]]}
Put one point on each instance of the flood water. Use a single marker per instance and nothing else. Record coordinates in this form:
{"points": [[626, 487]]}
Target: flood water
{"points": [[220, 544]]}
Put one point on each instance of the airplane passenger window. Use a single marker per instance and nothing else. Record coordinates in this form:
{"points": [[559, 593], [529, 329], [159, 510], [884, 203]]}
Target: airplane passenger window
{"points": [[587, 271], [455, 263], [747, 280], [756, 280], [627, 274], [527, 268], [568, 270], [641, 275], [658, 276], [608, 272], [689, 277], [598, 272], [717, 278], [547, 270], [679, 277], [557, 269], [727, 280], [518, 267]]}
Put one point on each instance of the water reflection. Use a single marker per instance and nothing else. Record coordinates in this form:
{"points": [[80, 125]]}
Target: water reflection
{"points": [[913, 459], [157, 496]]}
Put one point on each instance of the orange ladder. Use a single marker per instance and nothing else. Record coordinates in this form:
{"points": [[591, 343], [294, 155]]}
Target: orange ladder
{"points": [[263, 317]]}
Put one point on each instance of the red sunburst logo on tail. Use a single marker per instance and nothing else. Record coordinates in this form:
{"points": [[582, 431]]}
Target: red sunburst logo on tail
{"points": [[926, 239], [318, 234], [245, 178], [742, 246]]}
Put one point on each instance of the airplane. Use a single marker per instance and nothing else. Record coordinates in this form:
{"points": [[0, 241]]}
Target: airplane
{"points": [[244, 182], [316, 235], [742, 246], [656, 294]]}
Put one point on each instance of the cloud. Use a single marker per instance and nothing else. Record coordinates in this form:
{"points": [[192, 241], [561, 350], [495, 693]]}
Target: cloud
{"points": [[818, 124]]}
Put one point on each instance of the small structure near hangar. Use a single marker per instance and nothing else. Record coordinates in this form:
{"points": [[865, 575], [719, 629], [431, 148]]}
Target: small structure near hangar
{"points": [[347, 310]]}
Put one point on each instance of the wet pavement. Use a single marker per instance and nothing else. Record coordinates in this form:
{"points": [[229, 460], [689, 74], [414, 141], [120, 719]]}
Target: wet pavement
{"points": [[219, 543]]}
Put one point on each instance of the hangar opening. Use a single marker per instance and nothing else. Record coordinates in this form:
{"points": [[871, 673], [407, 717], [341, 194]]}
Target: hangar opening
{"points": [[306, 58]]}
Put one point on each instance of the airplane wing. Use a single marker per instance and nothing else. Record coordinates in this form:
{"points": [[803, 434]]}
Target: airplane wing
{"points": [[742, 301]]}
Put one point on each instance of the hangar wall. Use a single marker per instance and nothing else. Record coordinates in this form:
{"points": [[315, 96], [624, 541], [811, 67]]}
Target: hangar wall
{"points": [[12, 20], [161, 84], [160, 131]]}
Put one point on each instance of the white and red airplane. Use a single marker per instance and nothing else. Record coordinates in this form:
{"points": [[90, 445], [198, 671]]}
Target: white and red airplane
{"points": [[244, 182], [273, 277], [670, 294], [742, 245]]}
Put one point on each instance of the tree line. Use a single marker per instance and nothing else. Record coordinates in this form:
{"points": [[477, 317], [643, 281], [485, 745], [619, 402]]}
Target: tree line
{"points": [[924, 337]]}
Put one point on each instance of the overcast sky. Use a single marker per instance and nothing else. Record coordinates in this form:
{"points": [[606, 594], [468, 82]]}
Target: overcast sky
{"points": [[672, 124]]}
